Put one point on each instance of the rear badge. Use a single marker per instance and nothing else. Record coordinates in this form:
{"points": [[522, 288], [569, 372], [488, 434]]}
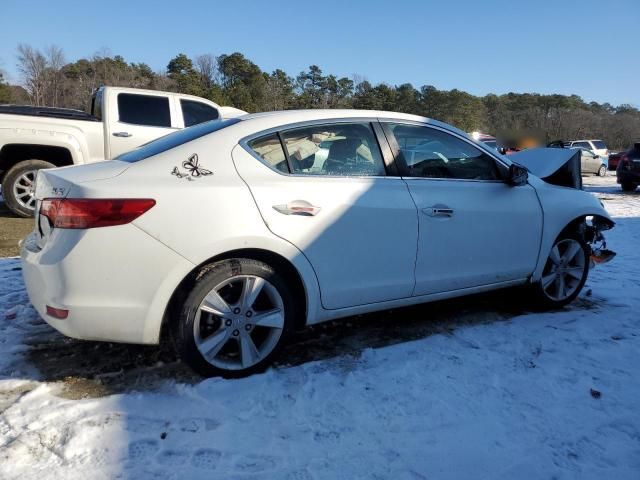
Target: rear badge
{"points": [[193, 169], [58, 192]]}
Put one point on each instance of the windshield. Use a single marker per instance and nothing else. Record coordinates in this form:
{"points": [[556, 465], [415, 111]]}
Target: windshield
{"points": [[175, 139]]}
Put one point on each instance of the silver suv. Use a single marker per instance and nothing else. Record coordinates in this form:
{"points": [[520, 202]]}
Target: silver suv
{"points": [[596, 146]]}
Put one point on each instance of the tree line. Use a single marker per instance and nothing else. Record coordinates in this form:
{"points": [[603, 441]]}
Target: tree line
{"points": [[232, 79]]}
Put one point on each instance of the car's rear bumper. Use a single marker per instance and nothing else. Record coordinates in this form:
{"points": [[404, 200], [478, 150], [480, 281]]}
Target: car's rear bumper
{"points": [[109, 280]]}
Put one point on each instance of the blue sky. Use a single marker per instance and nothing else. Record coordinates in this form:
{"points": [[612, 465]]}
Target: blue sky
{"points": [[589, 47]]}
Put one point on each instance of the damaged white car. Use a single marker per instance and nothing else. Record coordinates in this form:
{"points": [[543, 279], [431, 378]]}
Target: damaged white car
{"points": [[233, 233]]}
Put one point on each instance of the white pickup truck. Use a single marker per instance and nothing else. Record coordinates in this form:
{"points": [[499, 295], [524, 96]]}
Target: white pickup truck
{"points": [[32, 138]]}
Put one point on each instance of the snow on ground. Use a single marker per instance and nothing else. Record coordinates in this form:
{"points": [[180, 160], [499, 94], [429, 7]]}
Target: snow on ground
{"points": [[553, 395]]}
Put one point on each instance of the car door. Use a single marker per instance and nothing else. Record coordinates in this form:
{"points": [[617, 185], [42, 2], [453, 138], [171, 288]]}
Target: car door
{"points": [[138, 119], [324, 188], [584, 161], [474, 229], [594, 162]]}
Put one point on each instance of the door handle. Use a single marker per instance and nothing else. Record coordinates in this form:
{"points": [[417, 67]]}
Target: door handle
{"points": [[122, 134], [438, 211], [297, 207]]}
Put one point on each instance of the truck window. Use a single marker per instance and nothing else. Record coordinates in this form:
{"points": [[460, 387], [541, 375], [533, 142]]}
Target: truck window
{"points": [[96, 104], [197, 112], [148, 110]]}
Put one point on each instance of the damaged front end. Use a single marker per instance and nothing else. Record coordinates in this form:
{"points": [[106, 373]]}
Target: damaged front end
{"points": [[557, 166], [591, 232]]}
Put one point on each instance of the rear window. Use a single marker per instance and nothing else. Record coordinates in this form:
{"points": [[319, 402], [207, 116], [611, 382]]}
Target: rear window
{"points": [[175, 139], [148, 110], [194, 113], [599, 144]]}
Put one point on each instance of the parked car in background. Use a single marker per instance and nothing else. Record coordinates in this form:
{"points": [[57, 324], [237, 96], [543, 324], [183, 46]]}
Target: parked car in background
{"points": [[32, 138], [628, 171], [614, 159], [596, 146], [591, 162], [232, 234]]}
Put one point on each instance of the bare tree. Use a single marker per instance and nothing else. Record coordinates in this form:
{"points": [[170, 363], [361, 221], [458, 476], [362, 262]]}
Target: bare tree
{"points": [[32, 64], [207, 68], [55, 62]]}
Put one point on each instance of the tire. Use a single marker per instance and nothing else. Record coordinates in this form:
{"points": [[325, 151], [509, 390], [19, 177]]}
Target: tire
{"points": [[572, 268], [218, 331], [602, 171], [17, 186], [628, 187]]}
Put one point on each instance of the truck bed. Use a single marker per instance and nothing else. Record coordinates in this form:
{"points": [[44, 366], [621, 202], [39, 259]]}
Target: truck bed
{"points": [[51, 112]]}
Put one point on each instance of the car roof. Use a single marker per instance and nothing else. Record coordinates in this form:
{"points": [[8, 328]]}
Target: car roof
{"points": [[284, 117]]}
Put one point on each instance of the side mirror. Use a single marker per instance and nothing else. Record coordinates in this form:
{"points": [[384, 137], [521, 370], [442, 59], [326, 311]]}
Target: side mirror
{"points": [[502, 150], [518, 175]]}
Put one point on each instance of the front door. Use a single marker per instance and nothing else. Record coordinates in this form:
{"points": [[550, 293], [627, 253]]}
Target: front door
{"points": [[475, 230], [330, 197]]}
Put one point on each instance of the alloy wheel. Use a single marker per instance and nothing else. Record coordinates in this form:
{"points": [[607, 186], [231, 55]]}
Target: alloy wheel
{"points": [[24, 189], [564, 270], [239, 322]]}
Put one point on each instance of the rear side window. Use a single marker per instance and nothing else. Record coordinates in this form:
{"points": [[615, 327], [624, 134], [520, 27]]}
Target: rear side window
{"points": [[175, 139], [197, 112], [586, 145], [270, 150], [340, 149], [599, 144], [148, 110]]}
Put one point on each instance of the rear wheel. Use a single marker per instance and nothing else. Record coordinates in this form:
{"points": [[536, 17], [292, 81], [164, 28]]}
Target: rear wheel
{"points": [[18, 186], [602, 171], [235, 319], [628, 187], [565, 272]]}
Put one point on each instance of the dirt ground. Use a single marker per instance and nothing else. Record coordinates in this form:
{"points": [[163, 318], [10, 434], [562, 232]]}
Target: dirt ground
{"points": [[12, 230]]}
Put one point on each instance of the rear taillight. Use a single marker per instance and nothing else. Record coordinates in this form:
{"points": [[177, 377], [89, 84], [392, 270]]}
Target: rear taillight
{"points": [[624, 161], [93, 212]]}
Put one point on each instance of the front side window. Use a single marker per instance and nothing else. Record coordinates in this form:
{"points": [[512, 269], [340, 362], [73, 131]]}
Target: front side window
{"points": [[341, 149], [599, 145], [147, 110], [194, 113], [430, 153], [586, 145]]}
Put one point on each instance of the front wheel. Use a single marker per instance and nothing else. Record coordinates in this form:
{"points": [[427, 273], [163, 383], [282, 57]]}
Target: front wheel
{"points": [[18, 186], [235, 319], [565, 272], [602, 171]]}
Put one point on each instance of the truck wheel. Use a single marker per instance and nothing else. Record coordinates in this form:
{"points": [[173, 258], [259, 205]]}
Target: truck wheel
{"points": [[18, 186], [628, 186]]}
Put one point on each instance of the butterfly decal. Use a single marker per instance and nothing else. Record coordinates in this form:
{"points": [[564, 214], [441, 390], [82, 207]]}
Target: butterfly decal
{"points": [[193, 168]]}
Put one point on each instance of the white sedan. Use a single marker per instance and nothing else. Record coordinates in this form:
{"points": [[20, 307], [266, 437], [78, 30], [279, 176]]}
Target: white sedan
{"points": [[233, 233]]}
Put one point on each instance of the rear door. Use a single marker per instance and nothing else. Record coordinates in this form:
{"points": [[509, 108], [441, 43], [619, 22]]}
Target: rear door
{"points": [[137, 119], [474, 229], [324, 188]]}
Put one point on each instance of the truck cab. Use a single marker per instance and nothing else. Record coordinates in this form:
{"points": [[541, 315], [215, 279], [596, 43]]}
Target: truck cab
{"points": [[121, 119]]}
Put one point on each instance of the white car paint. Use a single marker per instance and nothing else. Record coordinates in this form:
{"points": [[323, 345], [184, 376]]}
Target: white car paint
{"points": [[369, 247]]}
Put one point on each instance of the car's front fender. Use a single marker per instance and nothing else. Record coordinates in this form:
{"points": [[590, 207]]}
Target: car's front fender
{"points": [[562, 206]]}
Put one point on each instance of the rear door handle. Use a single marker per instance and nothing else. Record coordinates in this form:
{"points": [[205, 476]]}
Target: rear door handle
{"points": [[122, 134], [438, 211], [297, 207]]}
